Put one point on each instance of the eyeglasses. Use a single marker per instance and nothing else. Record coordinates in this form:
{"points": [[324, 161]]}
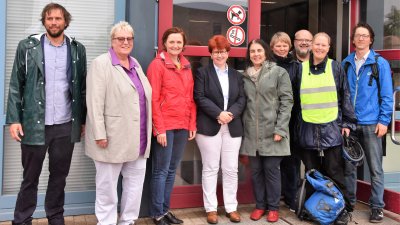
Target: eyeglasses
{"points": [[215, 53], [122, 40], [303, 40], [363, 36]]}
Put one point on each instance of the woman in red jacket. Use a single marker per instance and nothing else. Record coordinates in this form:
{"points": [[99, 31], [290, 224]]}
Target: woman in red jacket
{"points": [[174, 120]]}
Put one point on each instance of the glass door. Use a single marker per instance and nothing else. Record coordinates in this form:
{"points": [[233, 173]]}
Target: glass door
{"points": [[201, 20]]}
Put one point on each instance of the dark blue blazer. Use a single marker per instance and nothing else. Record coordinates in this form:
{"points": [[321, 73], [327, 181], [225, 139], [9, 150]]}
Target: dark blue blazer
{"points": [[210, 101]]}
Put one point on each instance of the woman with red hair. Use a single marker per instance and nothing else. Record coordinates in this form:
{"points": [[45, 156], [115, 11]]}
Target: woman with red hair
{"points": [[219, 95]]}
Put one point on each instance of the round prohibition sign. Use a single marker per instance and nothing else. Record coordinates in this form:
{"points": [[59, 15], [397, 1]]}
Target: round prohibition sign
{"points": [[236, 14], [235, 35]]}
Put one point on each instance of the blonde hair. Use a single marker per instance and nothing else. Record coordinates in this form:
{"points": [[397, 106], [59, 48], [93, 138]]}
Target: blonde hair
{"points": [[323, 34], [121, 26], [280, 36]]}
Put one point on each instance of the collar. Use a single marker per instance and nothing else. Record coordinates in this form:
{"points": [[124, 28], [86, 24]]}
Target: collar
{"points": [[362, 58], [218, 69], [48, 42], [280, 59], [169, 64], [115, 61]]}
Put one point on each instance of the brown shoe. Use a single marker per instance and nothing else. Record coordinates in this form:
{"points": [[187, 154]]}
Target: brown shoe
{"points": [[233, 216], [212, 217]]}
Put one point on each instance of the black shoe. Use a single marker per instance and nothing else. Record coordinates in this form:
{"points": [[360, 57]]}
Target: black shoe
{"points": [[162, 221], [376, 216], [343, 218], [26, 223], [172, 218]]}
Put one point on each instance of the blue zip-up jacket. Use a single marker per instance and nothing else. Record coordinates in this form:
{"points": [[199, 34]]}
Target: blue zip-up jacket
{"points": [[364, 98]]}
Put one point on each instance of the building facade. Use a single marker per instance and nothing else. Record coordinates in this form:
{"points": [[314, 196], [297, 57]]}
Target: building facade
{"points": [[240, 20]]}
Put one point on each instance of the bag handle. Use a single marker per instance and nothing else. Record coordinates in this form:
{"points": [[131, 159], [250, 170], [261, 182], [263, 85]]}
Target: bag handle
{"points": [[322, 183]]}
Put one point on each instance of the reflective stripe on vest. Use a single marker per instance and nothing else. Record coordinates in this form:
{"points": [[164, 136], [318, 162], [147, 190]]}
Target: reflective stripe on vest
{"points": [[318, 96]]}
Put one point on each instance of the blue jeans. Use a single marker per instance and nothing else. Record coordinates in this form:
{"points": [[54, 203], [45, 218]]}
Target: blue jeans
{"points": [[350, 180], [372, 146], [165, 160]]}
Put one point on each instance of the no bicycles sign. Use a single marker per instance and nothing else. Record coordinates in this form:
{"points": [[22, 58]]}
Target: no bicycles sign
{"points": [[235, 35], [236, 14]]}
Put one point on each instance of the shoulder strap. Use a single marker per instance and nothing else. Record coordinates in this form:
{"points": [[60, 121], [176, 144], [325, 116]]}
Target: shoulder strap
{"points": [[375, 75], [346, 66]]}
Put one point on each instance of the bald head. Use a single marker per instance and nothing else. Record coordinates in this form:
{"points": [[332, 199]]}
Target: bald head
{"points": [[302, 44], [303, 34]]}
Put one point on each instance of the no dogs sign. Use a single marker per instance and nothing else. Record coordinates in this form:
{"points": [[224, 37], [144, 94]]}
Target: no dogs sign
{"points": [[235, 35], [236, 14]]}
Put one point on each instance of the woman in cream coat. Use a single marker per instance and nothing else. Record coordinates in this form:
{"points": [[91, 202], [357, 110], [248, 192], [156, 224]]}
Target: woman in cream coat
{"points": [[118, 127]]}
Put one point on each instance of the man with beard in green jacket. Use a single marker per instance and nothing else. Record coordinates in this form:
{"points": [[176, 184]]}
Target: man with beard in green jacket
{"points": [[46, 111]]}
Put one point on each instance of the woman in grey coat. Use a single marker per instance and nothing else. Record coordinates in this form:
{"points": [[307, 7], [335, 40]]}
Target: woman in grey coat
{"points": [[266, 127]]}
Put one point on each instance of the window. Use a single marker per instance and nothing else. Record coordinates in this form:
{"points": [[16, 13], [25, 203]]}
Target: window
{"points": [[385, 20]]}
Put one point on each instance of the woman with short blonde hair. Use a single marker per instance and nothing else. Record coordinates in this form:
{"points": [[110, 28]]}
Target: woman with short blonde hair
{"points": [[118, 102]]}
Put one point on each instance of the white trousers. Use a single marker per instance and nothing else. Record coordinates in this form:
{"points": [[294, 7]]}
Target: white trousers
{"points": [[106, 191], [224, 149]]}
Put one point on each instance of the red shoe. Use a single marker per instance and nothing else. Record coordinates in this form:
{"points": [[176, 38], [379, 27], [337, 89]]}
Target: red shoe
{"points": [[257, 214], [273, 216]]}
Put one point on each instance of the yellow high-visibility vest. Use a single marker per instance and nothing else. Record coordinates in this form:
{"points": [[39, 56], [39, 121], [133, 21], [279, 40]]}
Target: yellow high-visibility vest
{"points": [[318, 96]]}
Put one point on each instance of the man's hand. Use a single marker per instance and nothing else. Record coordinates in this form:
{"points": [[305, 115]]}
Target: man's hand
{"points": [[16, 131], [380, 130]]}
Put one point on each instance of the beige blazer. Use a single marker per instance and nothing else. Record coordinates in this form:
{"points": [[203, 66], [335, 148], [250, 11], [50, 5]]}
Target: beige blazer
{"points": [[113, 112]]}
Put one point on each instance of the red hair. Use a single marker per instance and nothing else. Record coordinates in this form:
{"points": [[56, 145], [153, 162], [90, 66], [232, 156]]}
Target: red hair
{"points": [[218, 42]]}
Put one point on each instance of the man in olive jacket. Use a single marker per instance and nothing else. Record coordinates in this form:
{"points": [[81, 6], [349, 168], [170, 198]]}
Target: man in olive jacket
{"points": [[46, 109]]}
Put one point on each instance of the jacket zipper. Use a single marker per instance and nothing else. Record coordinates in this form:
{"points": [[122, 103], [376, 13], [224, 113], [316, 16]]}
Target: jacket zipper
{"points": [[257, 141], [162, 103]]}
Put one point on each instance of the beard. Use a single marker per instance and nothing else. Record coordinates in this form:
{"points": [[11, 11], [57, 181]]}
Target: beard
{"points": [[301, 52], [55, 34]]}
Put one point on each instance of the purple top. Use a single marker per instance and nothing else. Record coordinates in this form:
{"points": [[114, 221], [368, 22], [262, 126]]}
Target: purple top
{"points": [[142, 98]]}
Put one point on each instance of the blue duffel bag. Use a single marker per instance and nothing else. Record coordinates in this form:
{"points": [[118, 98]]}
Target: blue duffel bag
{"points": [[327, 202]]}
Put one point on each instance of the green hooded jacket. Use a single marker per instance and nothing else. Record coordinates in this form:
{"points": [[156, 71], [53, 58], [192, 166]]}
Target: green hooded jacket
{"points": [[267, 112], [26, 98]]}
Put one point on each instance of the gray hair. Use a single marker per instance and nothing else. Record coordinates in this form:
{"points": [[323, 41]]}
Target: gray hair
{"points": [[121, 25]]}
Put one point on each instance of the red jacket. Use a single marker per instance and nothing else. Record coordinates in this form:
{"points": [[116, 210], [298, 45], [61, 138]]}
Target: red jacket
{"points": [[172, 103]]}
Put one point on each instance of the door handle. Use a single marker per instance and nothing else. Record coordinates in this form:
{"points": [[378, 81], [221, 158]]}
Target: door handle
{"points": [[393, 131]]}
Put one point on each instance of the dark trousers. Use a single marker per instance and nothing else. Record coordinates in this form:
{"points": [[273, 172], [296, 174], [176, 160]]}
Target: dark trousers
{"points": [[59, 147], [331, 165], [266, 179], [290, 176]]}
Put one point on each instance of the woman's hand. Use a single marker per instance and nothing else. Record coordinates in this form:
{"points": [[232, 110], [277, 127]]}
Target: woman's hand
{"points": [[192, 134], [225, 117], [277, 137], [346, 131], [162, 139], [102, 143]]}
